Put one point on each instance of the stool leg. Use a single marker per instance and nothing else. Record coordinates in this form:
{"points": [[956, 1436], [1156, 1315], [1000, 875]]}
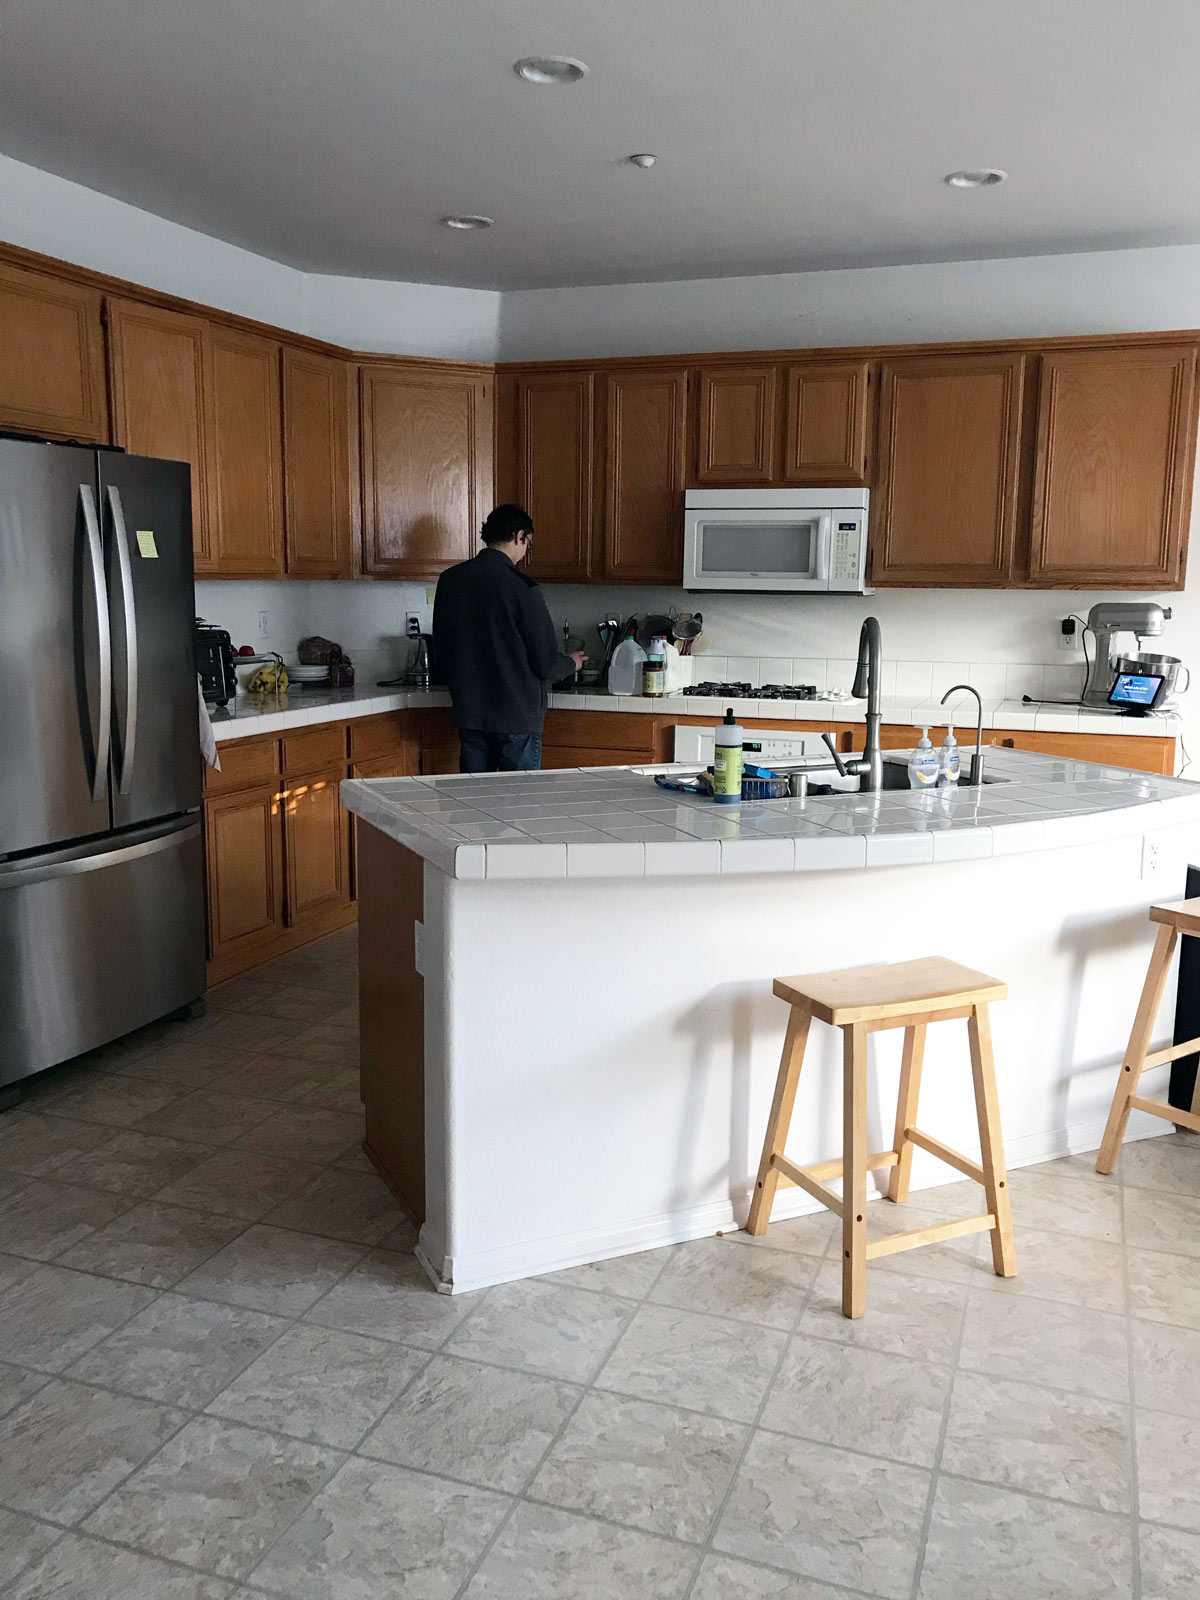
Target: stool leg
{"points": [[854, 1170], [780, 1119], [906, 1110], [1139, 1043], [991, 1144]]}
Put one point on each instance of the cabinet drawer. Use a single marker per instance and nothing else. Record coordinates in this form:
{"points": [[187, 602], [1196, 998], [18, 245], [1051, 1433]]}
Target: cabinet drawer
{"points": [[393, 734], [317, 747], [243, 762], [557, 757], [601, 730]]}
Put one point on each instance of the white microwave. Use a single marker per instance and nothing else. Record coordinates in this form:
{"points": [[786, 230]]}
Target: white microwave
{"points": [[776, 541]]}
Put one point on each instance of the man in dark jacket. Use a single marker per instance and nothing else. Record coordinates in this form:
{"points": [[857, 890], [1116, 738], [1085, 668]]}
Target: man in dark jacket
{"points": [[494, 644]]}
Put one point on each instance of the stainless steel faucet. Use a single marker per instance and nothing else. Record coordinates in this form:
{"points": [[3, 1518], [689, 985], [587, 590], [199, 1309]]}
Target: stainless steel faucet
{"points": [[869, 766], [977, 759]]}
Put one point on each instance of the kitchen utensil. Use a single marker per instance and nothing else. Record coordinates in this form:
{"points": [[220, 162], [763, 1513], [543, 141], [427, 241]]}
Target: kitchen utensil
{"points": [[656, 625], [1167, 668], [686, 630], [303, 674]]}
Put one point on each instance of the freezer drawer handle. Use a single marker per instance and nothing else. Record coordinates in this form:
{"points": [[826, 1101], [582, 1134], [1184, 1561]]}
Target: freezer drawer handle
{"points": [[87, 858], [104, 640], [129, 732]]}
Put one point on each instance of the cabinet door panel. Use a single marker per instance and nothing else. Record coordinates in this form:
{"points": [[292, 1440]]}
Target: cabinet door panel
{"points": [[159, 363], [51, 356], [244, 862], [825, 440], [316, 844], [645, 448], [554, 460], [246, 471], [949, 444], [737, 425], [1112, 489], [557, 758], [316, 465], [426, 457]]}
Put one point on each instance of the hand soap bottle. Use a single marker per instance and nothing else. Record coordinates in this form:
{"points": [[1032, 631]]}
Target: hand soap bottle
{"points": [[949, 765], [727, 761], [923, 764]]}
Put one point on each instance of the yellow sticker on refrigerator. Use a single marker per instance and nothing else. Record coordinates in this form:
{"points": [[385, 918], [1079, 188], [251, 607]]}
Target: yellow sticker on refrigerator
{"points": [[146, 545]]}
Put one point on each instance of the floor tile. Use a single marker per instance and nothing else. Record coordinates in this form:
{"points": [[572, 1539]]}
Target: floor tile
{"points": [[46, 1217], [1157, 1221], [1168, 1163], [189, 1065], [702, 1363], [826, 1514], [1065, 1205], [648, 1465], [69, 1445], [273, 1270], [244, 1033], [1058, 1266], [1170, 1562], [1164, 1288], [78, 1566], [215, 1496], [233, 1186], [631, 1277], [906, 1315], [1067, 1446], [276, 1077], [885, 1405], [35, 1145], [16, 1386], [115, 1101], [13, 1269], [153, 1244], [209, 1116], [22, 1541], [719, 1276], [543, 1327], [722, 1578], [1169, 1468], [381, 1530], [810, 1234], [993, 1544], [955, 1260], [51, 1317], [320, 1384], [358, 1207], [546, 1554], [326, 1043], [1042, 1341], [342, 1092], [178, 1350], [388, 1296], [1166, 1360], [137, 1165], [305, 1133]]}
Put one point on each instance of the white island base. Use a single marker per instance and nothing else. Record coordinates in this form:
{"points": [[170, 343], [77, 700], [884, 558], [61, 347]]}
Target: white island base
{"points": [[599, 1053]]}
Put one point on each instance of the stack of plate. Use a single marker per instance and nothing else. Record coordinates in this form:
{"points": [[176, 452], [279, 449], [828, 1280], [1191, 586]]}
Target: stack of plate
{"points": [[308, 675]]}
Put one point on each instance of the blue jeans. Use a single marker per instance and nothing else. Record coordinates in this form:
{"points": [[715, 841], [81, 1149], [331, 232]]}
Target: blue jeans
{"points": [[498, 752]]}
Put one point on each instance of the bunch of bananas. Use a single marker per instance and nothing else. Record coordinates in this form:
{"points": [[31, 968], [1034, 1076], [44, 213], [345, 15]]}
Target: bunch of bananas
{"points": [[271, 679]]}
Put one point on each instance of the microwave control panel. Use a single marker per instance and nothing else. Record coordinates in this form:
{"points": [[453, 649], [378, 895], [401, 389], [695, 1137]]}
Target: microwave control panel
{"points": [[846, 548]]}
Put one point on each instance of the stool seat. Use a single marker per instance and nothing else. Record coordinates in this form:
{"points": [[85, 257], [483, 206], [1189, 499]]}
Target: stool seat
{"points": [[1183, 915], [871, 994]]}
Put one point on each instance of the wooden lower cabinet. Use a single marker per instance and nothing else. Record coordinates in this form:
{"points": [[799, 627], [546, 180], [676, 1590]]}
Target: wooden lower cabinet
{"points": [[243, 844], [1149, 754], [316, 831]]}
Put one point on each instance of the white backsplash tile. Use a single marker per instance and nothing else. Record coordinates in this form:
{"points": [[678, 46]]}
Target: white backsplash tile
{"points": [[1022, 679], [989, 678], [742, 669], [946, 673], [840, 672], [810, 669], [914, 679], [777, 669], [1063, 683]]}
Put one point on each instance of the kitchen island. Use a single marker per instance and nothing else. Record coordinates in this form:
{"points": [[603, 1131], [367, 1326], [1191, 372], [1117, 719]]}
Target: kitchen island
{"points": [[569, 1041]]}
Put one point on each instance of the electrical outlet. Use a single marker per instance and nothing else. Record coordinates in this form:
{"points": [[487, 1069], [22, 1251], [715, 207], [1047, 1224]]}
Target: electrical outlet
{"points": [[1151, 857], [1068, 635], [264, 624], [412, 623]]}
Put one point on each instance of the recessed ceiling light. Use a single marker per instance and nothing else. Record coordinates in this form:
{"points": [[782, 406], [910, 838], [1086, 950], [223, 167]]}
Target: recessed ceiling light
{"points": [[467, 224], [976, 178], [644, 159], [550, 69]]}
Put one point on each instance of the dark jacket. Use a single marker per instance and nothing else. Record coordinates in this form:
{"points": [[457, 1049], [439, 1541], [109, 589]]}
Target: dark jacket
{"points": [[494, 644]]}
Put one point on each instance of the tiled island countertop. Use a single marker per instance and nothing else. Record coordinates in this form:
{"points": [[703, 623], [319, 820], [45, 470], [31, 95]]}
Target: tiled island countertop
{"points": [[608, 822]]}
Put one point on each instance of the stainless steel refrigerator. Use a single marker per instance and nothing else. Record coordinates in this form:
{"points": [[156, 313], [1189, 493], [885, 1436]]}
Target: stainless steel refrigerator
{"points": [[101, 866]]}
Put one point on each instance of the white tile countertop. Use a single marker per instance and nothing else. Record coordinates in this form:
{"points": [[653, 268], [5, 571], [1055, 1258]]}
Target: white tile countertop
{"points": [[616, 822], [268, 713]]}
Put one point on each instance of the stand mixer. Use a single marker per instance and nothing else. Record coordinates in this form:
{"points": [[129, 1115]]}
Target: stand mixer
{"points": [[1105, 621]]}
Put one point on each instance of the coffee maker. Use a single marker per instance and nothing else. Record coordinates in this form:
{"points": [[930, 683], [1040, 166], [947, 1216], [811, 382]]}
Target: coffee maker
{"points": [[1144, 620]]}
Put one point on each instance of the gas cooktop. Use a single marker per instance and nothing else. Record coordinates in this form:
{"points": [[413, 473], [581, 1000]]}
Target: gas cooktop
{"points": [[746, 691]]}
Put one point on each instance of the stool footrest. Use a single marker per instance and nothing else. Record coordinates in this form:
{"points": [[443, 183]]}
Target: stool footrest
{"points": [[914, 1237], [1157, 1108], [952, 1158], [833, 1169], [1172, 1053], [798, 1176]]}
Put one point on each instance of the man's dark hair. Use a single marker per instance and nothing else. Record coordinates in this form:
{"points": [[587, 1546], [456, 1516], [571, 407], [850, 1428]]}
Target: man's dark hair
{"points": [[504, 522]]}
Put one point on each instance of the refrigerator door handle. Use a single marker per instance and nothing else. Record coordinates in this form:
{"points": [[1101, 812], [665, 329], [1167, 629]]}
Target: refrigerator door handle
{"points": [[103, 640], [93, 857], [124, 566]]}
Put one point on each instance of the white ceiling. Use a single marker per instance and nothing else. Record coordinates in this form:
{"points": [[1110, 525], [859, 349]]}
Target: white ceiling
{"points": [[791, 134]]}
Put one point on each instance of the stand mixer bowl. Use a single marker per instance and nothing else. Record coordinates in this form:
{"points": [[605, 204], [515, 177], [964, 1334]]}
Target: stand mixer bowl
{"points": [[1166, 667]]}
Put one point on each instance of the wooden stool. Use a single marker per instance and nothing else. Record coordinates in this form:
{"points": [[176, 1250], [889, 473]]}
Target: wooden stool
{"points": [[1178, 916], [863, 1000]]}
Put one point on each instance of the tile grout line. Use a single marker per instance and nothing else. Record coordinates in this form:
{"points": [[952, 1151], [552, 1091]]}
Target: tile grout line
{"points": [[1135, 1552]]}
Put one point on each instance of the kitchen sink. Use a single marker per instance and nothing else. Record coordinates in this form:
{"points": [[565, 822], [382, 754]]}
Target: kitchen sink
{"points": [[895, 776]]}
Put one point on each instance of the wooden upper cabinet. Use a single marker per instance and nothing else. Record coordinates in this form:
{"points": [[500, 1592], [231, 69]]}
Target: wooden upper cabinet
{"points": [[51, 357], [949, 449], [316, 465], [645, 437], [246, 456], [1115, 451], [554, 419], [826, 427], [157, 368], [426, 465], [737, 432]]}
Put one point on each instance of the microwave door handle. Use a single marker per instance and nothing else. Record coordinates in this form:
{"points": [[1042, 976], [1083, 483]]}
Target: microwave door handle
{"points": [[129, 616], [824, 548], [91, 524]]}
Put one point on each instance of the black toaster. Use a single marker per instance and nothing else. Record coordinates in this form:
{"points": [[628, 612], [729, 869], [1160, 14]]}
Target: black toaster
{"points": [[214, 663]]}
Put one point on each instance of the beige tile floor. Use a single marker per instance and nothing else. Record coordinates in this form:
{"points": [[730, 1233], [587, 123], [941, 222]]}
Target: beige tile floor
{"points": [[223, 1374]]}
